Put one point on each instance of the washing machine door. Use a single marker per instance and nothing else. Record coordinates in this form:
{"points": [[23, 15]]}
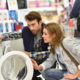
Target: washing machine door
{"points": [[12, 63]]}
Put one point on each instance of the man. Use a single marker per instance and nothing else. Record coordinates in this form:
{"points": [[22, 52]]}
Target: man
{"points": [[32, 40]]}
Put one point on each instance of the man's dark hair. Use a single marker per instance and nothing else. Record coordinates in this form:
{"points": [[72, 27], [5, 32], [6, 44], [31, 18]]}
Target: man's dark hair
{"points": [[33, 15]]}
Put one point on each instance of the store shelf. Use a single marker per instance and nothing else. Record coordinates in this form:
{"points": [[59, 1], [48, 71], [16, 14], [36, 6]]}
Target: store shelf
{"points": [[42, 9]]}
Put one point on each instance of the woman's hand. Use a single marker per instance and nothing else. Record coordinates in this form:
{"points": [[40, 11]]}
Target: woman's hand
{"points": [[69, 76], [35, 65]]}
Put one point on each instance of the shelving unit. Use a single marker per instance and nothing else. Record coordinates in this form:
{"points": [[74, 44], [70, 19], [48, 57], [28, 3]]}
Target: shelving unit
{"points": [[32, 5]]}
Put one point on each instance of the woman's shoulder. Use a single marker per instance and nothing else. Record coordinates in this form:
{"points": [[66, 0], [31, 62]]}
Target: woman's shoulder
{"points": [[67, 40]]}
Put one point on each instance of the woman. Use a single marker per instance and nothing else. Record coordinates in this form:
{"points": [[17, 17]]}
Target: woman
{"points": [[53, 34]]}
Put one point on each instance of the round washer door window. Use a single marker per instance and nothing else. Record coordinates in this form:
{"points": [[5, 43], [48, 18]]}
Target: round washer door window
{"points": [[16, 65]]}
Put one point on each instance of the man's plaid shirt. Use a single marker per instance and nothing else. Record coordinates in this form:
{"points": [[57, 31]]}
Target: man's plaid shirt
{"points": [[35, 55]]}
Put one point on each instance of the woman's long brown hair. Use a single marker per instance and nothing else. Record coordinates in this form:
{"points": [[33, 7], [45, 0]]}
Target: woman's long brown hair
{"points": [[54, 28]]}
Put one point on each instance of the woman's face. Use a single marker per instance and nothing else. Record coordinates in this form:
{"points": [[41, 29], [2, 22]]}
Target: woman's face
{"points": [[47, 37]]}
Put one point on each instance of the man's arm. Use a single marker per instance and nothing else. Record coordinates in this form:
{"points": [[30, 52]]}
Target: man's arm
{"points": [[38, 55], [76, 8], [10, 36]]}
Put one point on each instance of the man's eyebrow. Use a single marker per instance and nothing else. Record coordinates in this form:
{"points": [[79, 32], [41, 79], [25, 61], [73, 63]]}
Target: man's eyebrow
{"points": [[32, 23]]}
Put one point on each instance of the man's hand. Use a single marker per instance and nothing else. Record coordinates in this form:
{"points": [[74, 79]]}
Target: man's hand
{"points": [[1, 38], [69, 76], [28, 53]]}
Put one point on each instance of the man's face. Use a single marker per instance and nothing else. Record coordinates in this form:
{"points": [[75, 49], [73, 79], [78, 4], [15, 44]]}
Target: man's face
{"points": [[34, 26]]}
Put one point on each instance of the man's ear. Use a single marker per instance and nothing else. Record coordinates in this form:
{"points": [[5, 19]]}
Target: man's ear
{"points": [[40, 22]]}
